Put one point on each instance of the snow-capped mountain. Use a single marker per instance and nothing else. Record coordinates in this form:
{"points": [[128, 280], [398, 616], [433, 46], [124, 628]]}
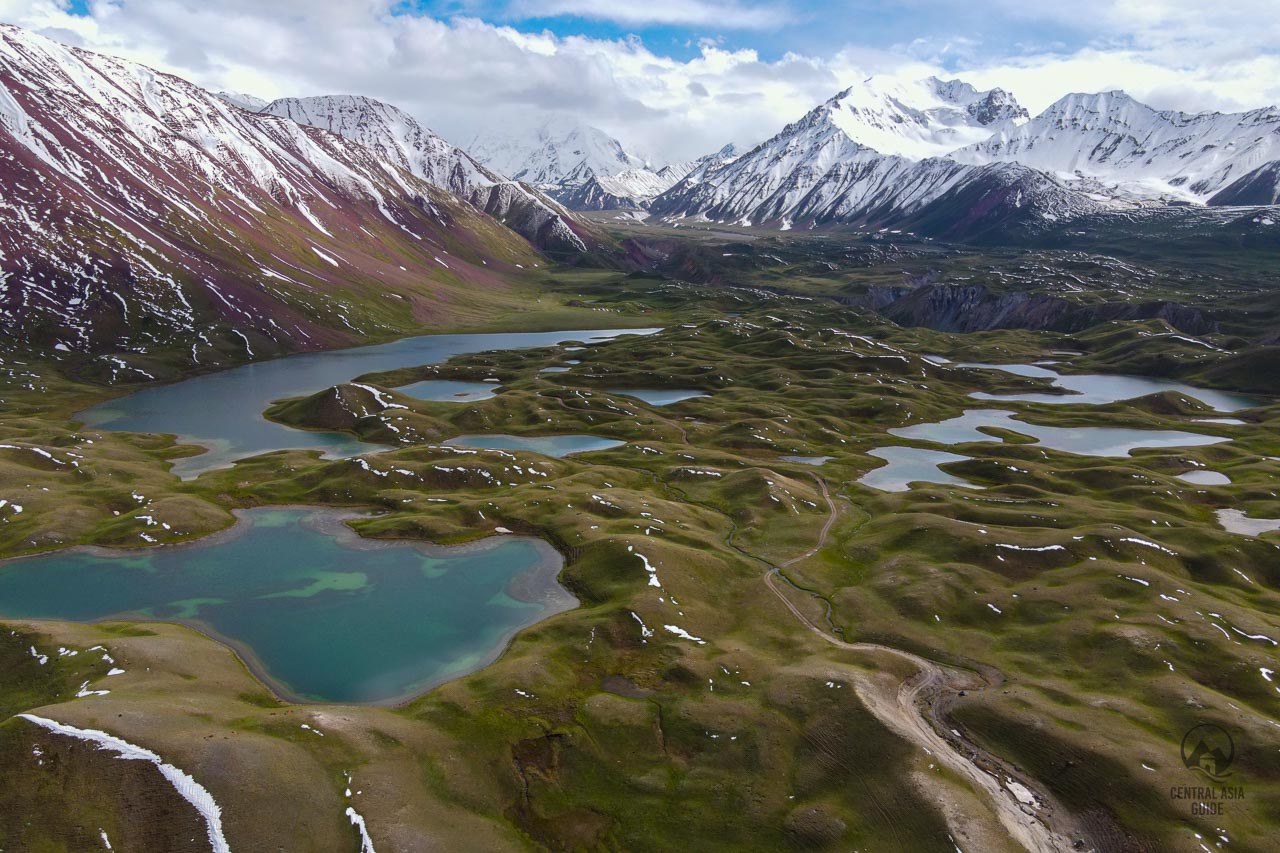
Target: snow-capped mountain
{"points": [[400, 140], [559, 152], [140, 212], [926, 118], [635, 189], [1127, 145], [579, 165], [244, 101], [816, 172]]}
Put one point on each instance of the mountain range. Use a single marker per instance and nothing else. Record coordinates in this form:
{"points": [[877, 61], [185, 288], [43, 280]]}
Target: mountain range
{"points": [[1143, 152], [141, 212], [943, 157], [577, 164], [887, 153]]}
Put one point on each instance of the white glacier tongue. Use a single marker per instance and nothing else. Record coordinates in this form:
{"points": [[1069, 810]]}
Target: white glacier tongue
{"points": [[1122, 142]]}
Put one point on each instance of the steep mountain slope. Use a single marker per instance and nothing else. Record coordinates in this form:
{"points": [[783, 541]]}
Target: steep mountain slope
{"points": [[244, 101], [400, 140], [1259, 187], [1142, 151], [141, 213], [814, 172]]}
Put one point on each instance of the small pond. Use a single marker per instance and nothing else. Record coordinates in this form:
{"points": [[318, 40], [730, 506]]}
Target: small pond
{"points": [[911, 465], [448, 391]]}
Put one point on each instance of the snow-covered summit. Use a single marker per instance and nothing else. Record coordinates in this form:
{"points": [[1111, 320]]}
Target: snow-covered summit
{"points": [[1122, 142], [557, 153], [398, 139], [924, 118]]}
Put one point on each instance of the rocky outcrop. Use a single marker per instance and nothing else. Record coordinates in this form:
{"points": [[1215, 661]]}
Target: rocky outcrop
{"points": [[974, 308]]}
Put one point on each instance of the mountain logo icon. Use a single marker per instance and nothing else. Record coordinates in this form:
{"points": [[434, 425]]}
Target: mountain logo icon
{"points": [[1209, 749]]}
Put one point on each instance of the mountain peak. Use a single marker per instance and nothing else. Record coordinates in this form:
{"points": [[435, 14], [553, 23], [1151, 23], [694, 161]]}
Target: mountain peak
{"points": [[554, 151], [919, 119]]}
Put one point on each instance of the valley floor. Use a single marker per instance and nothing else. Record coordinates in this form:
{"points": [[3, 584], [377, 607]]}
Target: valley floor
{"points": [[768, 654]]}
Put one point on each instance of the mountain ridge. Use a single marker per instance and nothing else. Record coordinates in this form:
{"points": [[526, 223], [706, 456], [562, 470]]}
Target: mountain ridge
{"points": [[144, 213], [401, 140]]}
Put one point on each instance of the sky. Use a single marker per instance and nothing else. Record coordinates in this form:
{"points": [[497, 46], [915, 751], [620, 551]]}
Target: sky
{"points": [[674, 79]]}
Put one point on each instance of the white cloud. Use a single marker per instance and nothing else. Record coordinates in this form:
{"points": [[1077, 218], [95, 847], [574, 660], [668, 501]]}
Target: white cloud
{"points": [[730, 14], [465, 74], [1039, 80]]}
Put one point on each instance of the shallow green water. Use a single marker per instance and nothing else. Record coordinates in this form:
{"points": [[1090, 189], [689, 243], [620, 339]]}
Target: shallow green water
{"points": [[808, 460], [321, 613]]}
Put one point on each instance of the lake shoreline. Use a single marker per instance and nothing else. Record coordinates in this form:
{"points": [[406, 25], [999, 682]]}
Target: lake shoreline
{"points": [[538, 584]]}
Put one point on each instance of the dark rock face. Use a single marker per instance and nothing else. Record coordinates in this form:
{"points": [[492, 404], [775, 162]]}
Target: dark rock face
{"points": [[1259, 187], [973, 308], [998, 105]]}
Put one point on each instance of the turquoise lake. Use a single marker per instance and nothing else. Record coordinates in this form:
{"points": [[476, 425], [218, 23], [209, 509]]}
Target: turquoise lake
{"points": [[315, 610]]}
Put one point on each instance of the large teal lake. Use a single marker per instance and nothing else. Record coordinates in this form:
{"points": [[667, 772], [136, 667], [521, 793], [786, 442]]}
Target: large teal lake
{"points": [[316, 611]]}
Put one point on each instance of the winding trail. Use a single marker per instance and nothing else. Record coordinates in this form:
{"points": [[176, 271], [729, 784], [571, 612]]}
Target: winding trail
{"points": [[826, 527], [915, 713]]}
